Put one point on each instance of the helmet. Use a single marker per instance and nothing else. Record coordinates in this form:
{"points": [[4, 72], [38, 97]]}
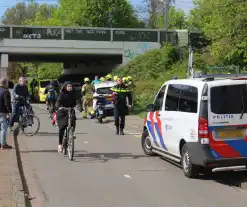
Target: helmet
{"points": [[86, 79], [115, 77], [129, 78], [109, 76], [124, 79], [102, 79]]}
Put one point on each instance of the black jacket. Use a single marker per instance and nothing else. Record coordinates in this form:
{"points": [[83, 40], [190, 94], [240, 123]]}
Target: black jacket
{"points": [[67, 99], [122, 98], [20, 90], [5, 101]]}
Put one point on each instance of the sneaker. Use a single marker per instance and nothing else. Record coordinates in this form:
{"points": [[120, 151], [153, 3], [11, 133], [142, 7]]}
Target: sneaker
{"points": [[60, 148], [6, 146]]}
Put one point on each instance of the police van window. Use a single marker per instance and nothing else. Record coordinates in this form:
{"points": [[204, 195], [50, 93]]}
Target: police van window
{"points": [[172, 97], [188, 99], [231, 99], [181, 98], [159, 99]]}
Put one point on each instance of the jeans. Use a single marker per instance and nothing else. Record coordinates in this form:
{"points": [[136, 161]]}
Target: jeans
{"points": [[16, 113], [4, 127]]}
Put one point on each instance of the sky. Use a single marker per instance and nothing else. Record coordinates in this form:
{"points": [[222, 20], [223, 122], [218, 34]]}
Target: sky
{"points": [[186, 5]]}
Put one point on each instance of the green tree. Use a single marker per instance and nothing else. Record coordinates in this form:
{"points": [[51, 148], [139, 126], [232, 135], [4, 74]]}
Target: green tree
{"points": [[94, 13], [46, 70], [226, 26], [21, 12]]}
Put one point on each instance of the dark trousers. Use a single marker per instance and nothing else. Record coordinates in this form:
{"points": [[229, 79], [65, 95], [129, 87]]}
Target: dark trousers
{"points": [[61, 134], [118, 116]]}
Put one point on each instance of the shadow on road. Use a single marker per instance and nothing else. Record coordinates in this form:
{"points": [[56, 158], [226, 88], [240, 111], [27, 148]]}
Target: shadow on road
{"points": [[104, 157], [52, 134], [229, 178], [39, 151], [107, 121]]}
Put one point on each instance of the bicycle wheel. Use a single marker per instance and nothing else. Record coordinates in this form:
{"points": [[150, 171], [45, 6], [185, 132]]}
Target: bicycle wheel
{"points": [[30, 125], [71, 142], [65, 142]]}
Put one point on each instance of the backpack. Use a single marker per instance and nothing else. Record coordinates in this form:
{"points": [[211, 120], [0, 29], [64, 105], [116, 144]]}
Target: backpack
{"points": [[52, 94]]}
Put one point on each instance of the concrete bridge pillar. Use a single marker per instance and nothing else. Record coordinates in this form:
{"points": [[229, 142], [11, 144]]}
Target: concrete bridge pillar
{"points": [[4, 64]]}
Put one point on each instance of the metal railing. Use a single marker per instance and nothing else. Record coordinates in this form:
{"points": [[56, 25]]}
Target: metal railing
{"points": [[87, 33]]}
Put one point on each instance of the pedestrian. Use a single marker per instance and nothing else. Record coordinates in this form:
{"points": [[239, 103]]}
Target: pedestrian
{"points": [[5, 111], [122, 101], [96, 80]]}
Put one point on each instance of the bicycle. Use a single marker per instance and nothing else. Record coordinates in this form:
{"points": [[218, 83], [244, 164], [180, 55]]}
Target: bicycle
{"points": [[26, 119], [69, 134]]}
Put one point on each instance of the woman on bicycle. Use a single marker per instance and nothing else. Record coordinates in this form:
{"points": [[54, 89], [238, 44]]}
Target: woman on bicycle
{"points": [[67, 98]]}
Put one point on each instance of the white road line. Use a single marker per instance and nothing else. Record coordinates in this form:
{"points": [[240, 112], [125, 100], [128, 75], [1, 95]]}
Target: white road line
{"points": [[128, 176]]}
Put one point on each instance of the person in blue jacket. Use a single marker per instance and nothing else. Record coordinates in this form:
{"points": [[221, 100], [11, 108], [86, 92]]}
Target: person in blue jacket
{"points": [[96, 80]]}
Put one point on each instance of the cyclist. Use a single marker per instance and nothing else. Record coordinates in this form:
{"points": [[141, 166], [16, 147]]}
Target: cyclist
{"points": [[52, 90], [68, 99], [20, 95]]}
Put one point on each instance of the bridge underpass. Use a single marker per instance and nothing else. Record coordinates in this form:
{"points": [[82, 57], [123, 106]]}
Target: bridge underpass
{"points": [[76, 66]]}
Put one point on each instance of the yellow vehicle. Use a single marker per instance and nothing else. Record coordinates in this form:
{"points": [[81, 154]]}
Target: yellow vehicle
{"points": [[42, 84]]}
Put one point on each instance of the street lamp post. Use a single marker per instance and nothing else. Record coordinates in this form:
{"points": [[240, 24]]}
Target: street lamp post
{"points": [[166, 11]]}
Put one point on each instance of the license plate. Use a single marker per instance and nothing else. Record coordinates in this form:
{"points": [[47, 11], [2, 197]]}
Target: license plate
{"points": [[231, 134], [100, 112]]}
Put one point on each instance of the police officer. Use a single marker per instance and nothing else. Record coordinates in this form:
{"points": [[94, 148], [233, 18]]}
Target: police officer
{"points": [[87, 91], [122, 104]]}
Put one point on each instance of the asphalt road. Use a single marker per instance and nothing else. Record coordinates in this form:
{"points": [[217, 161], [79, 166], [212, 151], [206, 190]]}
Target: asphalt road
{"points": [[112, 171]]}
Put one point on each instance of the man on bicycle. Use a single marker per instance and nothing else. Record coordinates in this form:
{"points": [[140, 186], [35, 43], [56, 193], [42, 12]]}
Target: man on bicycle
{"points": [[67, 98], [52, 90], [20, 96]]}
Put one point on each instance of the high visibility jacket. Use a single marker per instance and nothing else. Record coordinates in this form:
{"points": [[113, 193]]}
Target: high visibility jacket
{"points": [[122, 96], [88, 90]]}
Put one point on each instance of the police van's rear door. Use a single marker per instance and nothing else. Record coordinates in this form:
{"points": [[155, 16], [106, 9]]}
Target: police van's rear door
{"points": [[227, 118]]}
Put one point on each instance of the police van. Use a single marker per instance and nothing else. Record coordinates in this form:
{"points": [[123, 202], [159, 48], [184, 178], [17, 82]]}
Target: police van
{"points": [[200, 123]]}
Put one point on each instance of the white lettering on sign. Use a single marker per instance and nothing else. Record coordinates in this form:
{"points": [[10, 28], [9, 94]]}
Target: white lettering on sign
{"points": [[53, 32], [87, 31], [32, 36], [120, 32]]}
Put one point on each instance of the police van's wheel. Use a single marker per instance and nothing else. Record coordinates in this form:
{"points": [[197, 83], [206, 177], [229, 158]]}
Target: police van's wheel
{"points": [[190, 170], [146, 144]]}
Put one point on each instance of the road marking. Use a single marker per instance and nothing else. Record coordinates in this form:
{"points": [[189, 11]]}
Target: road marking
{"points": [[128, 176], [85, 142], [133, 133]]}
